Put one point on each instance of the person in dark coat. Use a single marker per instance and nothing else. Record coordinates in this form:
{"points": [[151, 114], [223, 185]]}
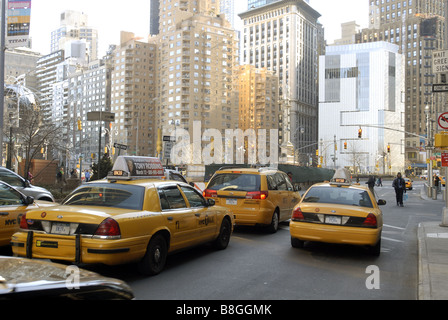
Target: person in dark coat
{"points": [[371, 184], [400, 187]]}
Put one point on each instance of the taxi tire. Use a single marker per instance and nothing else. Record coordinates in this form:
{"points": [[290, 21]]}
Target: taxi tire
{"points": [[376, 249], [224, 235], [273, 227], [296, 243], [155, 258]]}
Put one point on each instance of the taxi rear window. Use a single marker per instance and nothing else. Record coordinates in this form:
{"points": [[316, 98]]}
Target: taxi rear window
{"points": [[235, 182], [107, 195], [344, 196]]}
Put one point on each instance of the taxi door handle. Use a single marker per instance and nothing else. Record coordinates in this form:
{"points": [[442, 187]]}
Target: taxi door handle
{"points": [[170, 218], [197, 215], [4, 213]]}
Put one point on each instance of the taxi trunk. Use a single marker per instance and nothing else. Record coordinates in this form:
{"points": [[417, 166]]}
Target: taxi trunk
{"points": [[56, 234], [331, 224]]}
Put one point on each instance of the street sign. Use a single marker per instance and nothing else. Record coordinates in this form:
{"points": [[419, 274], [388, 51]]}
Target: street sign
{"points": [[443, 121], [120, 146], [101, 116], [445, 159], [169, 138], [440, 87], [440, 61]]}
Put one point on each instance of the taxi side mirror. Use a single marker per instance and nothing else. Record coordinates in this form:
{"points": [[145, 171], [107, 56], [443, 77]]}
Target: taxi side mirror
{"points": [[210, 202], [381, 202], [28, 200]]}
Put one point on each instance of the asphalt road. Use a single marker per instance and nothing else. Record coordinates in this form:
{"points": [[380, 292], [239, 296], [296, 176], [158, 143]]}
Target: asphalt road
{"points": [[261, 266]]}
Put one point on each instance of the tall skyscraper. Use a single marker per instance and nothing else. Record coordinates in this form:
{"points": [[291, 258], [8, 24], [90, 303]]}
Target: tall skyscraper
{"points": [[74, 26], [402, 23], [197, 56], [283, 37], [154, 18]]}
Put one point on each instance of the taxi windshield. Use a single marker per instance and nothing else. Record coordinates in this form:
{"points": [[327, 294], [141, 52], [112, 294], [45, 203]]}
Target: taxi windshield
{"points": [[335, 195], [235, 182], [107, 195]]}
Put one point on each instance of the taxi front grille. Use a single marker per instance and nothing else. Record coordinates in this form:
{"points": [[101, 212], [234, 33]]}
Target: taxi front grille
{"points": [[346, 221]]}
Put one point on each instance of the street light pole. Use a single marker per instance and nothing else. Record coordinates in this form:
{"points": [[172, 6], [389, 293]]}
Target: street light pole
{"points": [[2, 75]]}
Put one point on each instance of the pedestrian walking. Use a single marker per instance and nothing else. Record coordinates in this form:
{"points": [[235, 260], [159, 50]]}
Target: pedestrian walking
{"points": [[400, 187], [87, 175], [371, 184], [436, 182]]}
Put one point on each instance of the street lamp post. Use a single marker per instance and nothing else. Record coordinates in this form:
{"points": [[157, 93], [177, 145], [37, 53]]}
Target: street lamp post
{"points": [[429, 150]]}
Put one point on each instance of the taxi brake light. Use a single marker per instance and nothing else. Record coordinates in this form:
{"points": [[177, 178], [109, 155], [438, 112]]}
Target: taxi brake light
{"points": [[109, 227], [260, 195], [370, 221], [297, 214], [207, 193]]}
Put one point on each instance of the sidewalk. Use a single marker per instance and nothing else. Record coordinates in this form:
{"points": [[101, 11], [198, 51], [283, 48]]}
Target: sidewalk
{"points": [[433, 259]]}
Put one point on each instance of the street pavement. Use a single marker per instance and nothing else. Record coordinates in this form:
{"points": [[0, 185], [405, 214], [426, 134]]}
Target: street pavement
{"points": [[433, 257]]}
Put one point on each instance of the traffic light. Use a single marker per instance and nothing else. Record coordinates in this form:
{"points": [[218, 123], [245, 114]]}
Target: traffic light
{"points": [[345, 145], [79, 125], [388, 148], [317, 152], [359, 133]]}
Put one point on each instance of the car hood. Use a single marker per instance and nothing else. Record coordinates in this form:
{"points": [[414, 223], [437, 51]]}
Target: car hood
{"points": [[19, 276]]}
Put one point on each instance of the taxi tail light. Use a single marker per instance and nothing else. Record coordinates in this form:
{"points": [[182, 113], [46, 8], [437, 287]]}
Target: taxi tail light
{"points": [[23, 223], [109, 228], [260, 195], [370, 221], [297, 214], [208, 193]]}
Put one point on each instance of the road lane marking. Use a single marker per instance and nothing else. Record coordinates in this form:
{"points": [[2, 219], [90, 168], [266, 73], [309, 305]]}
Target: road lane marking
{"points": [[390, 239], [394, 227]]}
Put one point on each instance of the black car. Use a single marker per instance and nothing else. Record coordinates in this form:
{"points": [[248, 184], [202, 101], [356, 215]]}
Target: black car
{"points": [[38, 279]]}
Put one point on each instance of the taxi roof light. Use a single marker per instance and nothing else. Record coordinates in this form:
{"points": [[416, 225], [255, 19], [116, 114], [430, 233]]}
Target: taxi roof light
{"points": [[341, 177]]}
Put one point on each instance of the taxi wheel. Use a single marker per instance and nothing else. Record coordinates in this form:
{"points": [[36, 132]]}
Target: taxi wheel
{"points": [[296, 243], [273, 227], [224, 235], [154, 260], [376, 249]]}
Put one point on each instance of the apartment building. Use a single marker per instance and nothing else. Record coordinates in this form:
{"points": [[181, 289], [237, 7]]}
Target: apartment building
{"points": [[133, 99], [74, 26], [401, 22], [258, 98], [197, 58], [283, 36]]}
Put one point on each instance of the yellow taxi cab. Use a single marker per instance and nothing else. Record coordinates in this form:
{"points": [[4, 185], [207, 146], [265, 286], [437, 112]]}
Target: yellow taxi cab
{"points": [[338, 212], [13, 205], [257, 197], [442, 180], [133, 216], [408, 183]]}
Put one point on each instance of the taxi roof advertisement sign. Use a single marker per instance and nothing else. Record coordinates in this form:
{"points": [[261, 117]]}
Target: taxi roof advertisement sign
{"points": [[19, 13], [139, 166]]}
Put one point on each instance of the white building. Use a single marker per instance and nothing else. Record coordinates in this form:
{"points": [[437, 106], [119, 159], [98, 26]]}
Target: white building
{"points": [[360, 88]]}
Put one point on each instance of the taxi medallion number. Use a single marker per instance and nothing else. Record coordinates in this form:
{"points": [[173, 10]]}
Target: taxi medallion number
{"points": [[233, 202], [333, 220], [60, 228]]}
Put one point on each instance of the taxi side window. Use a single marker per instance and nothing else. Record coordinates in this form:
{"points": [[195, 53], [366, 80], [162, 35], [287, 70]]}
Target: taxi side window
{"points": [[280, 181], [289, 185], [193, 197], [171, 198], [9, 197], [271, 182]]}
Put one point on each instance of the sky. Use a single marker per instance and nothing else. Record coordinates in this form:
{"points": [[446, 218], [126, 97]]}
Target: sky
{"points": [[111, 17]]}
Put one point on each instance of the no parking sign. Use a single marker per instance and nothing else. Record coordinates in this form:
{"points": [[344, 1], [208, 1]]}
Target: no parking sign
{"points": [[443, 121]]}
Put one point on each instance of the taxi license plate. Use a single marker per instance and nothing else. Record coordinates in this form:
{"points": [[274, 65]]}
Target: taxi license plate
{"points": [[232, 202], [60, 228], [333, 220]]}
